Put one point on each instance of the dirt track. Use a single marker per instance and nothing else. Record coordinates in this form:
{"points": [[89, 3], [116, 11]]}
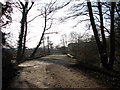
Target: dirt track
{"points": [[52, 72]]}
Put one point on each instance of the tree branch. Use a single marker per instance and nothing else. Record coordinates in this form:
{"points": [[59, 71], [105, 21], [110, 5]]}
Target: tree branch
{"points": [[21, 3], [80, 22], [18, 7], [117, 11], [30, 7], [50, 25], [34, 18]]}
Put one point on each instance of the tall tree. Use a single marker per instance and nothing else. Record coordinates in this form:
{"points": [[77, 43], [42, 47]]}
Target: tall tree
{"points": [[117, 31], [23, 32], [102, 47], [100, 14], [112, 37], [45, 23], [47, 14], [102, 30]]}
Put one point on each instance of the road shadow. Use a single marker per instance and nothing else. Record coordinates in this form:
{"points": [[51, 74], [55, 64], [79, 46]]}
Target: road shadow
{"points": [[55, 61], [110, 80]]}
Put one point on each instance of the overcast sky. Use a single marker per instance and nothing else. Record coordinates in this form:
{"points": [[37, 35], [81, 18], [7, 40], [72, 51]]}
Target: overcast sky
{"points": [[35, 27]]}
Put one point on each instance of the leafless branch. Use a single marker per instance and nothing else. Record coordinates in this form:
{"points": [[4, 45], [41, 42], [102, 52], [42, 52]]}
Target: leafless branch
{"points": [[35, 18], [60, 7], [21, 3], [107, 30], [96, 18], [50, 25], [74, 11], [80, 22], [30, 7], [18, 7], [104, 28], [4, 24], [74, 16], [51, 5], [117, 12], [105, 12], [31, 38]]}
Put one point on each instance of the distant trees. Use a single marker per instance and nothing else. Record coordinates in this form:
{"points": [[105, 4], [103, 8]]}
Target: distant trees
{"points": [[64, 40], [73, 37], [85, 50], [64, 43]]}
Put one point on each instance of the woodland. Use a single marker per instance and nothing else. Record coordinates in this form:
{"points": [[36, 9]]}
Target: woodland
{"points": [[97, 54]]}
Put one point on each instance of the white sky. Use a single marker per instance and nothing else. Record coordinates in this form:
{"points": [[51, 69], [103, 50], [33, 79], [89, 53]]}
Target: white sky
{"points": [[35, 28]]}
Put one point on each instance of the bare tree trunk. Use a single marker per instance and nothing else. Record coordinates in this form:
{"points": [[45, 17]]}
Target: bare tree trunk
{"points": [[112, 38], [44, 44], [35, 50], [48, 45], [102, 32], [24, 42], [23, 32], [19, 51], [99, 45], [102, 27]]}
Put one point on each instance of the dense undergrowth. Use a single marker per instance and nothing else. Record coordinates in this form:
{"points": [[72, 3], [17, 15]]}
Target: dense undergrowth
{"points": [[109, 78]]}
